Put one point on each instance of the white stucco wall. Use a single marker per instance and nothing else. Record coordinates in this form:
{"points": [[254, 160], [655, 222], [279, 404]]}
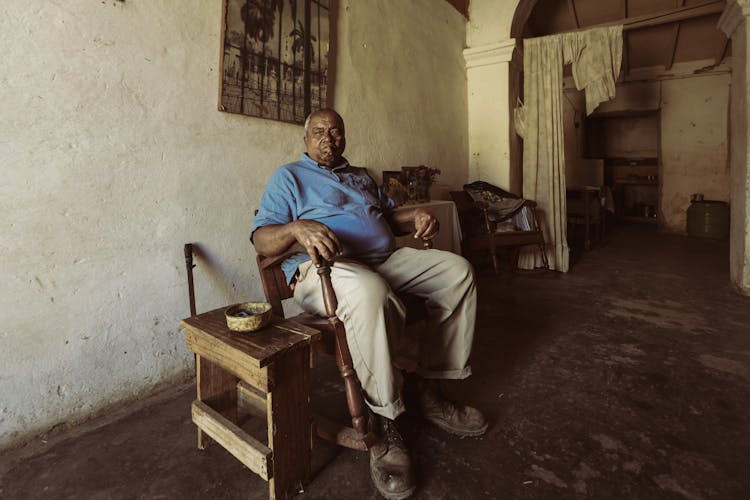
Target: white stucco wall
{"points": [[488, 56], [739, 254], [401, 84], [694, 145], [114, 156], [490, 21], [489, 124]]}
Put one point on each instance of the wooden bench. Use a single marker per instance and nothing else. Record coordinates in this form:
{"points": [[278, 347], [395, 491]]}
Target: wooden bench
{"points": [[270, 369]]}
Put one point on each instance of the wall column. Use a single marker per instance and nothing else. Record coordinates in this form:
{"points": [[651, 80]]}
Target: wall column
{"points": [[487, 70], [734, 23]]}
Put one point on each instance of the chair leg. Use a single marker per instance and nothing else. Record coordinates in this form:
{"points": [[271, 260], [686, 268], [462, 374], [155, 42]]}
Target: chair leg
{"points": [[514, 253], [495, 265], [587, 236], [543, 250], [351, 382], [493, 254]]}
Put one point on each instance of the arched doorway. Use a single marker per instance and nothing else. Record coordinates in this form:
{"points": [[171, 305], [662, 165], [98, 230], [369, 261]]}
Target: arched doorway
{"points": [[674, 66]]}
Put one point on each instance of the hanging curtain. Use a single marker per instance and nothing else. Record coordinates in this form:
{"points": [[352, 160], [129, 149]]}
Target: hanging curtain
{"points": [[596, 56], [544, 148]]}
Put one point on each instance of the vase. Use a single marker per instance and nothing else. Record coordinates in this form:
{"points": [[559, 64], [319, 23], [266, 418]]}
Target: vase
{"points": [[423, 192], [411, 191]]}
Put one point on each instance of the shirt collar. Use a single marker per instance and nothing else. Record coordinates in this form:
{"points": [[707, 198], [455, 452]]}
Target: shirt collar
{"points": [[312, 163]]}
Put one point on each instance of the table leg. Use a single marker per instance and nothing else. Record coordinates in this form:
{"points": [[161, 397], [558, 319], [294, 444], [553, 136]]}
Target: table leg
{"points": [[289, 423], [587, 218], [218, 389]]}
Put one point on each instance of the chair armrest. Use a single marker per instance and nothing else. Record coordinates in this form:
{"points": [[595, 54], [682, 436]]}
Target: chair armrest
{"points": [[475, 210], [402, 228], [264, 261], [483, 207]]}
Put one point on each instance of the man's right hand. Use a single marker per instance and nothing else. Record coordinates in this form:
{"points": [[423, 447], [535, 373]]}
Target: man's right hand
{"points": [[317, 239]]}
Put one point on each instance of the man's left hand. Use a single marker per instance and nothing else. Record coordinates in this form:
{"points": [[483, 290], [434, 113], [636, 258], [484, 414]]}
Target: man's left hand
{"points": [[426, 226]]}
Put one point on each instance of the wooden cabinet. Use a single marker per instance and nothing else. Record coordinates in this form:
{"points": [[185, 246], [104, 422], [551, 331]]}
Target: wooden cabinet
{"points": [[636, 200], [635, 187], [629, 144]]}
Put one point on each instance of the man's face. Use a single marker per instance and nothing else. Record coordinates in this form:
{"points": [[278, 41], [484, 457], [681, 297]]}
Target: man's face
{"points": [[325, 139]]}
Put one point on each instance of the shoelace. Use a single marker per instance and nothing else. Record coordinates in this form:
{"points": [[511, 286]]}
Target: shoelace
{"points": [[439, 403], [392, 434]]}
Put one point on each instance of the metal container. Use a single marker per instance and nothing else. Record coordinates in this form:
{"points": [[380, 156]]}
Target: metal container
{"points": [[708, 219]]}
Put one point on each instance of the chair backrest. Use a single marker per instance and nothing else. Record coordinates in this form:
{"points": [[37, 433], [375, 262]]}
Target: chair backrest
{"points": [[462, 200], [472, 216]]}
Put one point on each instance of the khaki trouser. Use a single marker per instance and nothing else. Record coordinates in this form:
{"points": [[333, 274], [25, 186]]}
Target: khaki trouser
{"points": [[374, 319]]}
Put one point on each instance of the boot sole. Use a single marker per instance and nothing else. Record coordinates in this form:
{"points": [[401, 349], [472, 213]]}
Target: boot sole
{"points": [[457, 432]]}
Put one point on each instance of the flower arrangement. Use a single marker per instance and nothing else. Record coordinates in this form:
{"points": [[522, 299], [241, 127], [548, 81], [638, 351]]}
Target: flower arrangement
{"points": [[427, 174], [418, 182]]}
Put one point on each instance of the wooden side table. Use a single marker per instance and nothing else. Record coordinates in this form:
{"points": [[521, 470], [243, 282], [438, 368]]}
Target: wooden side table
{"points": [[271, 368], [449, 237], [584, 203]]}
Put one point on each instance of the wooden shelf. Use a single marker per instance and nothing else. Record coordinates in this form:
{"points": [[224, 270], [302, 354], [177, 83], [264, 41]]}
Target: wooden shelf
{"points": [[639, 220], [637, 182], [630, 162]]}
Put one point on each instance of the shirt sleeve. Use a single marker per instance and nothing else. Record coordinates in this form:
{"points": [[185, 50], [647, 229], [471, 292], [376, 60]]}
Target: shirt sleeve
{"points": [[386, 202], [276, 204]]}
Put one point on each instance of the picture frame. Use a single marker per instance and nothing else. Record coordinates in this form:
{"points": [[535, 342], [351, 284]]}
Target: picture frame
{"points": [[409, 172], [394, 186], [274, 58]]}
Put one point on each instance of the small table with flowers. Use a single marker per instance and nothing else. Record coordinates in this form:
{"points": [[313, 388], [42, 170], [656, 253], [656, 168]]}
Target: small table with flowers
{"points": [[449, 236]]}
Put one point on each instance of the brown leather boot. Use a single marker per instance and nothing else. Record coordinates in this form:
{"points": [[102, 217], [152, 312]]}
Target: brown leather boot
{"points": [[390, 466], [457, 419]]}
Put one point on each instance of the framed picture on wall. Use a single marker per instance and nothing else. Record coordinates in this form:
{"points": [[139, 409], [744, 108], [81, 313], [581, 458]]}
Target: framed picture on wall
{"points": [[274, 58], [394, 186]]}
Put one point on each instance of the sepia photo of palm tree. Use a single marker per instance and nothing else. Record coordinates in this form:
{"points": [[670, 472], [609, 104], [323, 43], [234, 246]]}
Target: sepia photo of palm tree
{"points": [[275, 58]]}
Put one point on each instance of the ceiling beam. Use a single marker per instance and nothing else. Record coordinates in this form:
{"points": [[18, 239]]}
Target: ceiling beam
{"points": [[625, 50], [675, 38], [672, 15], [664, 17], [721, 52], [573, 13]]}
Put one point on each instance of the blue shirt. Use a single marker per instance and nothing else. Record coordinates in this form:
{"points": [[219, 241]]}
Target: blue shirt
{"points": [[344, 198]]}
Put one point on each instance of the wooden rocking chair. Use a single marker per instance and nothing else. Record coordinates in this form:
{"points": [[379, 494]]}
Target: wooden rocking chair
{"points": [[333, 342], [480, 235]]}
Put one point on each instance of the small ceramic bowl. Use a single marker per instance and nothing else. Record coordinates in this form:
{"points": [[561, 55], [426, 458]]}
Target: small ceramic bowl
{"points": [[248, 316]]}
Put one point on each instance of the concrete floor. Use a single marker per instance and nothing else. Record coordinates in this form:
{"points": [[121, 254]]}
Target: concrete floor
{"points": [[627, 378]]}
